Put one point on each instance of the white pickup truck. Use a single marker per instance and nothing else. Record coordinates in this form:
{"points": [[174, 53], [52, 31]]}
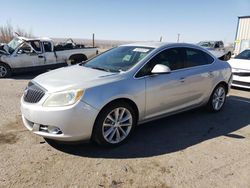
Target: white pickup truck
{"points": [[24, 54], [218, 49]]}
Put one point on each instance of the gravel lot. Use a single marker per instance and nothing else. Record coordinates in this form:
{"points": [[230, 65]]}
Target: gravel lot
{"points": [[192, 149]]}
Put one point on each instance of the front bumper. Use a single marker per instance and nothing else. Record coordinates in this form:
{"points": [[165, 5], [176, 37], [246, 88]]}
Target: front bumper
{"points": [[75, 122], [241, 81]]}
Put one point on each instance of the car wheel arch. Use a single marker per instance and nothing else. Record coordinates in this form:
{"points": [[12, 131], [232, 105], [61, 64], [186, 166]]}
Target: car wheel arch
{"points": [[126, 100], [222, 83], [82, 57]]}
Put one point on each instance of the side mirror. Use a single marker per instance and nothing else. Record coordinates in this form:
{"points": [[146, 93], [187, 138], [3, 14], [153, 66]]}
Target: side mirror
{"points": [[20, 51], [160, 69]]}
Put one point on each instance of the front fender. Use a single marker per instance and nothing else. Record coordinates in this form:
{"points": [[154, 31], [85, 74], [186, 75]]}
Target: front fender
{"points": [[132, 89]]}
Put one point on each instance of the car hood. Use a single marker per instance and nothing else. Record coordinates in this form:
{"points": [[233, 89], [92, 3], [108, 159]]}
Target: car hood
{"points": [[74, 77], [240, 64]]}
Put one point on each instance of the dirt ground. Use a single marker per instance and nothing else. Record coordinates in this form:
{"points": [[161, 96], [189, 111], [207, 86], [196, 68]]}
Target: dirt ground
{"points": [[192, 149]]}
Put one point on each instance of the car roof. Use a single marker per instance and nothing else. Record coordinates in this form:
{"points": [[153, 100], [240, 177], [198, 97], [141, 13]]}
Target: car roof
{"points": [[162, 44], [147, 44], [32, 39]]}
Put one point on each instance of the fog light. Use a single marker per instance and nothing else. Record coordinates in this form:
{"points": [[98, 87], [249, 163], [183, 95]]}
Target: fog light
{"points": [[50, 129], [54, 130]]}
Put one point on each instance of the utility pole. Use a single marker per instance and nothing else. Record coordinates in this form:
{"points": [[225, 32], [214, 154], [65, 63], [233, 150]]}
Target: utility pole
{"points": [[93, 39], [178, 37], [161, 39]]}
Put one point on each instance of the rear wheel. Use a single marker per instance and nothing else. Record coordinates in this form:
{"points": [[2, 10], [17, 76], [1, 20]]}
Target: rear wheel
{"points": [[227, 56], [114, 124], [217, 99], [5, 71]]}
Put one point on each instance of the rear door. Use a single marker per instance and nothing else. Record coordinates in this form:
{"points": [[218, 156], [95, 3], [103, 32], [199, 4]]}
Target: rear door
{"points": [[49, 54], [198, 75]]}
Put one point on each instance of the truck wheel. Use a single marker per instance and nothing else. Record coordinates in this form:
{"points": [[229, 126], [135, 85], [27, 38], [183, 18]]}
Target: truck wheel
{"points": [[5, 71], [228, 56]]}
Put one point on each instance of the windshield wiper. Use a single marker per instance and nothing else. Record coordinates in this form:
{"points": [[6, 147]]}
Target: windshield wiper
{"points": [[102, 69]]}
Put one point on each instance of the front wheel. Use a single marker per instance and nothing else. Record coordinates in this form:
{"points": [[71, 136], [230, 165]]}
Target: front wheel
{"points": [[5, 71], [217, 99], [114, 124]]}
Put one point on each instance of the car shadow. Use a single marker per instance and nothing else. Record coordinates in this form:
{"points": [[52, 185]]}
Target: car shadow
{"points": [[172, 134], [27, 75]]}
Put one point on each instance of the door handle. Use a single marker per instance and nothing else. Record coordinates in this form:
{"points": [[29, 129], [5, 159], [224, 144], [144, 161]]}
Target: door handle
{"points": [[40, 56]]}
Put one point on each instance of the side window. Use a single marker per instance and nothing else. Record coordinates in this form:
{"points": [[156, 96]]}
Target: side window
{"points": [[170, 57], [47, 46], [25, 49], [36, 46], [221, 44], [216, 45], [196, 57]]}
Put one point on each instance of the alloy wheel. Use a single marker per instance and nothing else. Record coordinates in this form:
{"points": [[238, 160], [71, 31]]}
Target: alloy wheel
{"points": [[218, 98], [117, 125], [3, 71]]}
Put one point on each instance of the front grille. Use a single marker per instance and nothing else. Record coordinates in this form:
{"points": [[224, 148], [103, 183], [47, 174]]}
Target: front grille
{"points": [[241, 83], [242, 73], [33, 93]]}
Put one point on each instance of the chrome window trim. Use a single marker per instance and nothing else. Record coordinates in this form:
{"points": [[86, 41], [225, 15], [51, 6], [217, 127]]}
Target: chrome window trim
{"points": [[134, 76]]}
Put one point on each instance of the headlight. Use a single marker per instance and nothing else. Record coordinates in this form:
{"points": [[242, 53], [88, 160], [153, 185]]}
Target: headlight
{"points": [[64, 98]]}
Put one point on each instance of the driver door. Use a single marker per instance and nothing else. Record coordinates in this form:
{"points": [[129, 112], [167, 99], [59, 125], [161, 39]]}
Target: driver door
{"points": [[25, 56], [166, 93]]}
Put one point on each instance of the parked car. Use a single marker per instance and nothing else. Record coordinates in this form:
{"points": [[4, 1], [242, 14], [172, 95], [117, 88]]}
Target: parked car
{"points": [[218, 49], [107, 96], [23, 54], [241, 69]]}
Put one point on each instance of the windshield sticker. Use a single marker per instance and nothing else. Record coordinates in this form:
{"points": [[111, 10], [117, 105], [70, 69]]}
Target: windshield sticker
{"points": [[126, 58], [144, 50]]}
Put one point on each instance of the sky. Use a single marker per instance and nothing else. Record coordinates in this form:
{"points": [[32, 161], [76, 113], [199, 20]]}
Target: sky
{"points": [[131, 20]]}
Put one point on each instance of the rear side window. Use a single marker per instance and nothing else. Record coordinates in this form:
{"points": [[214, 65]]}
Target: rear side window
{"points": [[47, 46], [36, 46], [196, 57]]}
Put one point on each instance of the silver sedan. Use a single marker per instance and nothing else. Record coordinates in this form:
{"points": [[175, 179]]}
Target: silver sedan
{"points": [[104, 98]]}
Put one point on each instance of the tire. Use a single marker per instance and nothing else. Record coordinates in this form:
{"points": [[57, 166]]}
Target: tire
{"points": [[5, 71], [112, 126], [227, 56], [217, 99], [77, 59]]}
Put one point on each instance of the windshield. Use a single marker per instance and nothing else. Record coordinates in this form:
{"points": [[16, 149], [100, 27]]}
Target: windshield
{"points": [[208, 44], [243, 55], [118, 59], [13, 44]]}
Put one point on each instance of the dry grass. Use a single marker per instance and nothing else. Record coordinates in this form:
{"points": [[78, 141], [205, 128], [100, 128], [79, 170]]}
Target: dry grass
{"points": [[7, 32]]}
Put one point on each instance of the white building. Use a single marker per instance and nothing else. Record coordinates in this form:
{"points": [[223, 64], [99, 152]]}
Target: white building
{"points": [[242, 38]]}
